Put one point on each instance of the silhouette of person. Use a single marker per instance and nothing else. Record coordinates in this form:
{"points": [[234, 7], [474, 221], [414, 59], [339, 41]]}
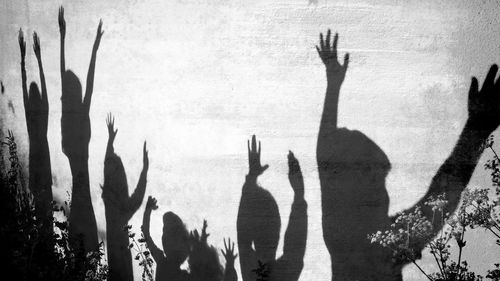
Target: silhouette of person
{"points": [[175, 242], [203, 259], [75, 130], [259, 223], [36, 109], [352, 172], [120, 207]]}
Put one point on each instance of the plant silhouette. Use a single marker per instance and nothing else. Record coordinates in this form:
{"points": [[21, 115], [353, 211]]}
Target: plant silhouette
{"points": [[75, 130], [353, 169], [259, 223], [120, 207]]}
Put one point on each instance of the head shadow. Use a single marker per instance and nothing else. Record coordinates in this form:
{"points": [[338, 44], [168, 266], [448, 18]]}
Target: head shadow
{"points": [[355, 203], [34, 91], [72, 91], [175, 238], [115, 185], [266, 238]]}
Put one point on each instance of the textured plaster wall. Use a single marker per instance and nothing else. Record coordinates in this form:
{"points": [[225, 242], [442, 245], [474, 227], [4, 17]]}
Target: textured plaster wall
{"points": [[196, 78]]}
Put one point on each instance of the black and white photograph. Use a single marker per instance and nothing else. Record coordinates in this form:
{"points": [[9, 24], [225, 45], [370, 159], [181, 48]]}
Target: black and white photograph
{"points": [[230, 140]]}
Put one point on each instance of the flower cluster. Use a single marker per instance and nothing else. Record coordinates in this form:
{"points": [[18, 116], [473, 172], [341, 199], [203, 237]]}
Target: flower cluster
{"points": [[479, 210], [437, 203], [455, 271], [404, 234]]}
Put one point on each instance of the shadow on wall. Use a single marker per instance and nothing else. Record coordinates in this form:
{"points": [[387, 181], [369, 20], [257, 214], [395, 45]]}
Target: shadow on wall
{"points": [[259, 224], [179, 245], [353, 169], [75, 131], [119, 207]]}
